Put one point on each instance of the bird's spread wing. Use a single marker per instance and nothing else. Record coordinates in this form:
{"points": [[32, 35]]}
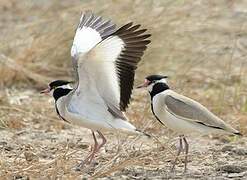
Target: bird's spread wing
{"points": [[114, 61], [91, 30], [134, 45], [191, 110], [108, 60]]}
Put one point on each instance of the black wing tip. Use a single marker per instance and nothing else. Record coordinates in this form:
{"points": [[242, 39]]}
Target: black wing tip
{"points": [[238, 134], [137, 25], [104, 26], [148, 35], [147, 41], [128, 25], [136, 41], [134, 28]]}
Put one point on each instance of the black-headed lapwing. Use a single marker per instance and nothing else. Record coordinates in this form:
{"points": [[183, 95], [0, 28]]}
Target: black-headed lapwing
{"points": [[182, 114], [105, 59]]}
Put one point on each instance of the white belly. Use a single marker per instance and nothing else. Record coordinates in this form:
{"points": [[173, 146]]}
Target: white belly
{"points": [[93, 116], [87, 122]]}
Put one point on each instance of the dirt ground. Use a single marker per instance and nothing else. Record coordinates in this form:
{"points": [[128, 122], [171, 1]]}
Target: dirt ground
{"points": [[201, 45]]}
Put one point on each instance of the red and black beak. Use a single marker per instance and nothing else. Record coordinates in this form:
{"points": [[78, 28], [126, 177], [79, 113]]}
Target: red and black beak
{"points": [[145, 84], [46, 91]]}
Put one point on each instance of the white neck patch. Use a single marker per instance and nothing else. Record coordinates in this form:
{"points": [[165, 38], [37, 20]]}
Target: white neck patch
{"points": [[67, 86]]}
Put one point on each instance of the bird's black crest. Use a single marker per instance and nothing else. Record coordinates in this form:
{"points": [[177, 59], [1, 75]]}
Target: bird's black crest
{"points": [[58, 83], [155, 77]]}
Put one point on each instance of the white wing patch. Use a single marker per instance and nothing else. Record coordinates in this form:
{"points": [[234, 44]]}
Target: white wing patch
{"points": [[101, 62], [90, 31], [85, 39]]}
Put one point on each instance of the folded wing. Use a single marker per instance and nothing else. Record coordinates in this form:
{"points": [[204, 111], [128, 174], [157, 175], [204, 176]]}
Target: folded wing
{"points": [[193, 111]]}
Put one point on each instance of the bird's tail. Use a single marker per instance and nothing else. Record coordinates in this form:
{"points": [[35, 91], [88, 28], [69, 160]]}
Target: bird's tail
{"points": [[231, 130], [128, 128], [238, 133]]}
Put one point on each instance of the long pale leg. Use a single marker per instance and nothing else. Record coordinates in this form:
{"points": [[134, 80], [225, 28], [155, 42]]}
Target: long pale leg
{"points": [[186, 145], [94, 151], [91, 155], [178, 153], [99, 146], [103, 140]]}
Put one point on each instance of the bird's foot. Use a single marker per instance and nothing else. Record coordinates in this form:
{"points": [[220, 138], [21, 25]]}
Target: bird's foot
{"points": [[80, 166], [83, 163]]}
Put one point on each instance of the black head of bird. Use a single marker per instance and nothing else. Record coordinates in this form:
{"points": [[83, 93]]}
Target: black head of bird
{"points": [[58, 88], [155, 83]]}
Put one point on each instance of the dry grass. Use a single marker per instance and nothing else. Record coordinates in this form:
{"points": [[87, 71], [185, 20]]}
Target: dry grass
{"points": [[201, 45]]}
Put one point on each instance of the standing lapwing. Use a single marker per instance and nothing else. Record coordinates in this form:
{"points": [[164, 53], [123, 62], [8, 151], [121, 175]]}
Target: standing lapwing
{"points": [[104, 59], [181, 113]]}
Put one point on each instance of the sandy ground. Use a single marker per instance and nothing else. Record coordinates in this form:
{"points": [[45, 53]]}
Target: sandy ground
{"points": [[200, 44], [40, 148]]}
